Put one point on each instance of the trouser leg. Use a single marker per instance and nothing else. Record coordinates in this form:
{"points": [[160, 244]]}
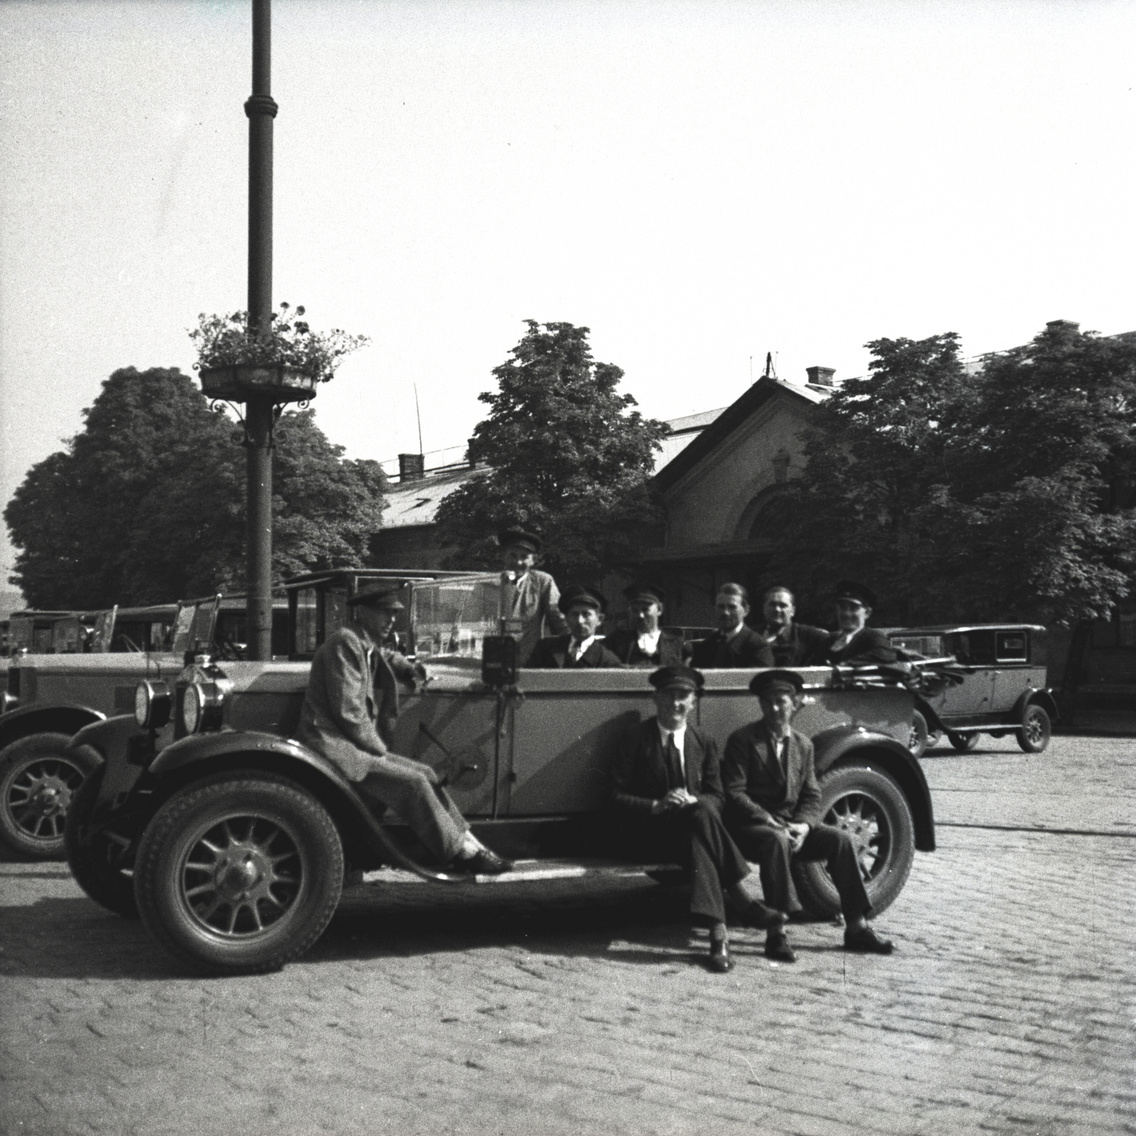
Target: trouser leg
{"points": [[768, 847], [426, 808], [715, 860], [838, 850]]}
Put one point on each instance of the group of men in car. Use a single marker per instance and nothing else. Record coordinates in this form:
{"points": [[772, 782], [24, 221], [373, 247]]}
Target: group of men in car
{"points": [[672, 798]]}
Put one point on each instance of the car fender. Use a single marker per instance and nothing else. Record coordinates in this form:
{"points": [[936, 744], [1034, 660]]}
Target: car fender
{"points": [[59, 719], [1041, 697], [201, 756], [934, 722], [848, 745]]}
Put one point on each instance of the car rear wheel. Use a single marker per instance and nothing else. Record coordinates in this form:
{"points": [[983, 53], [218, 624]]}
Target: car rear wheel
{"points": [[867, 804], [917, 739], [101, 862], [962, 743], [38, 781], [1036, 730], [239, 875]]}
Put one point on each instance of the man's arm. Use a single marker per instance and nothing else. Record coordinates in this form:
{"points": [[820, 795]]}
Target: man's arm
{"points": [[404, 670], [550, 607], [735, 776], [623, 774], [808, 800], [755, 651]]}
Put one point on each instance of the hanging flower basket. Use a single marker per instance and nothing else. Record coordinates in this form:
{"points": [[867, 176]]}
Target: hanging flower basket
{"points": [[238, 381]]}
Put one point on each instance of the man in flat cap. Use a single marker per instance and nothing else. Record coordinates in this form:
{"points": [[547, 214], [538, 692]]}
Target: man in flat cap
{"points": [[644, 643], [793, 644], [773, 813], [583, 607], [533, 610], [856, 642], [349, 713], [734, 644], [667, 794]]}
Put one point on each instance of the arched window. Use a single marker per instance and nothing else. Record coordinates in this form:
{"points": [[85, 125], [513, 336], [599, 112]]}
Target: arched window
{"points": [[766, 517]]}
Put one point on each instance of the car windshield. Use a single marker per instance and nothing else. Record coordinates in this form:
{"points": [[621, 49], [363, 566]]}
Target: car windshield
{"points": [[452, 617]]}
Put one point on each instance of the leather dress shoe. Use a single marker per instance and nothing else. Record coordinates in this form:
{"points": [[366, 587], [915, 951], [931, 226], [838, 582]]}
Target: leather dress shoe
{"points": [[777, 947], [865, 941], [761, 916], [720, 960], [482, 863]]}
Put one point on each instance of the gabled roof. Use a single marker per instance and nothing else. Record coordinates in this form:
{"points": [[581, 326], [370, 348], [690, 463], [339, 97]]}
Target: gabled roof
{"points": [[412, 503], [728, 421]]}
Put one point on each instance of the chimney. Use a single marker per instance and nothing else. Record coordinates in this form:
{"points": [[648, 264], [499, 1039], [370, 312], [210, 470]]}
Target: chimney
{"points": [[820, 377], [411, 467]]}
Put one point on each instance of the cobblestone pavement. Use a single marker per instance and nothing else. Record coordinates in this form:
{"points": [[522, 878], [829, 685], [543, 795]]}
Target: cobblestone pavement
{"points": [[568, 1008]]}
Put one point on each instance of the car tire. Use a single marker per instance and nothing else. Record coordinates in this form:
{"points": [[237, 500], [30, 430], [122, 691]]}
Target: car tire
{"points": [[1036, 729], [38, 781], [239, 875], [917, 739], [866, 803], [101, 863], [962, 743]]}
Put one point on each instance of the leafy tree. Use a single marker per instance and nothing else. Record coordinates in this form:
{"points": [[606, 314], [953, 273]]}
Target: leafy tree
{"points": [[566, 456], [999, 494], [146, 504]]}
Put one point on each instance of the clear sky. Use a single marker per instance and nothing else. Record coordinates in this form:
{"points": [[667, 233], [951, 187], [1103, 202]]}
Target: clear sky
{"points": [[697, 182]]}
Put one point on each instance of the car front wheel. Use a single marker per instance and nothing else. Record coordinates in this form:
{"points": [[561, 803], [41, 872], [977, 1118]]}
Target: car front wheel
{"points": [[867, 804], [1036, 730], [38, 781], [239, 875], [962, 743], [101, 862], [917, 739]]}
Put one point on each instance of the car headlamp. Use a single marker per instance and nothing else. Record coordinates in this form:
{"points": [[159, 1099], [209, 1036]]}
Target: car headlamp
{"points": [[152, 704], [203, 705]]}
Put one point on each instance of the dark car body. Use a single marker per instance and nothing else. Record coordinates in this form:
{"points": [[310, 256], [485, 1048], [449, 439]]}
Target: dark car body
{"points": [[1004, 681]]}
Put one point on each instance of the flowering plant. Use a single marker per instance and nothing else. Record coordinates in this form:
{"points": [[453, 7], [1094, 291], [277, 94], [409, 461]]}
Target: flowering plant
{"points": [[224, 341]]}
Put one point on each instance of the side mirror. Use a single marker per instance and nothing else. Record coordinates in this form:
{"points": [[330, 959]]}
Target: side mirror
{"points": [[499, 660]]}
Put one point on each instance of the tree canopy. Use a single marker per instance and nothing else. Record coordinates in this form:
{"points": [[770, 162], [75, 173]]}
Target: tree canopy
{"points": [[146, 504], [999, 492], [566, 455]]}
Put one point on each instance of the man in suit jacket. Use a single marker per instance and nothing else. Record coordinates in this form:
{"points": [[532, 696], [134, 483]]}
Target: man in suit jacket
{"points": [[856, 642], [349, 712], [774, 813], [533, 604], [793, 644], [734, 644], [667, 792], [583, 608], [644, 643]]}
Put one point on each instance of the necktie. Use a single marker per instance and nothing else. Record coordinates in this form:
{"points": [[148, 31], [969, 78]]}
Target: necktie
{"points": [[675, 779]]}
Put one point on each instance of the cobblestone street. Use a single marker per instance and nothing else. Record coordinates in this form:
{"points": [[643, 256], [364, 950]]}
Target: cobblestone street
{"points": [[1009, 1007]]}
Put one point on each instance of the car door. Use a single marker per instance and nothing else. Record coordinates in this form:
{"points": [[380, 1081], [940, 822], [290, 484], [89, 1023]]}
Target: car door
{"points": [[973, 698], [1011, 672]]}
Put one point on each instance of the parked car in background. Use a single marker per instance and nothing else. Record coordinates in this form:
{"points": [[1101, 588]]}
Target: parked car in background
{"points": [[1003, 689], [231, 839]]}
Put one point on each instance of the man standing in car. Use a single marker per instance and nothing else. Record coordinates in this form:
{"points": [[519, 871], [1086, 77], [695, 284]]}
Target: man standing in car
{"points": [[533, 606]]}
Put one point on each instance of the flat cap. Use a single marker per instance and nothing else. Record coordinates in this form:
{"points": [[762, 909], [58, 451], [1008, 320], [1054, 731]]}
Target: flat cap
{"points": [[509, 538], [380, 595], [857, 593], [676, 678], [644, 591], [582, 594], [776, 681]]}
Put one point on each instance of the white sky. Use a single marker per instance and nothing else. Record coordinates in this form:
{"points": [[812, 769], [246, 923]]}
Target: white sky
{"points": [[697, 182]]}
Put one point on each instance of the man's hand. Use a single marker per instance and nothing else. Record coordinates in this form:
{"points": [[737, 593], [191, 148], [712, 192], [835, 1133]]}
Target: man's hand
{"points": [[675, 799], [797, 833]]}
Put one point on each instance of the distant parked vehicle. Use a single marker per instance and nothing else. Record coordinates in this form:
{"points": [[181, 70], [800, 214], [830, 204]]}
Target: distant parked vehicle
{"points": [[1003, 689]]}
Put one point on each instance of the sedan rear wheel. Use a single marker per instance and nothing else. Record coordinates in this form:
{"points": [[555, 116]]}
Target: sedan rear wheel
{"points": [[1036, 730], [239, 875], [962, 743]]}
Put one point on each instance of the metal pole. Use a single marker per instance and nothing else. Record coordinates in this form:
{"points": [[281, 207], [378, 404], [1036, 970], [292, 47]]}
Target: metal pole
{"points": [[261, 110]]}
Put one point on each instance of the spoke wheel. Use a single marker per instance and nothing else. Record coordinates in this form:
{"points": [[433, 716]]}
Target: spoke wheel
{"points": [[868, 805], [38, 782], [1036, 729], [963, 743], [917, 740], [239, 875]]}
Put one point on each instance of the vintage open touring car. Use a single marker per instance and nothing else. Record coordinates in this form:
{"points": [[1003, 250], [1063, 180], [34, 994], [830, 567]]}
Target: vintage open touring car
{"points": [[231, 840]]}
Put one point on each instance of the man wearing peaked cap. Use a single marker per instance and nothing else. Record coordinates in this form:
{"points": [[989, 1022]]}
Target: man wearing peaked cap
{"points": [[349, 714], [856, 642], [774, 814], [644, 643], [583, 607], [533, 606], [667, 796]]}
